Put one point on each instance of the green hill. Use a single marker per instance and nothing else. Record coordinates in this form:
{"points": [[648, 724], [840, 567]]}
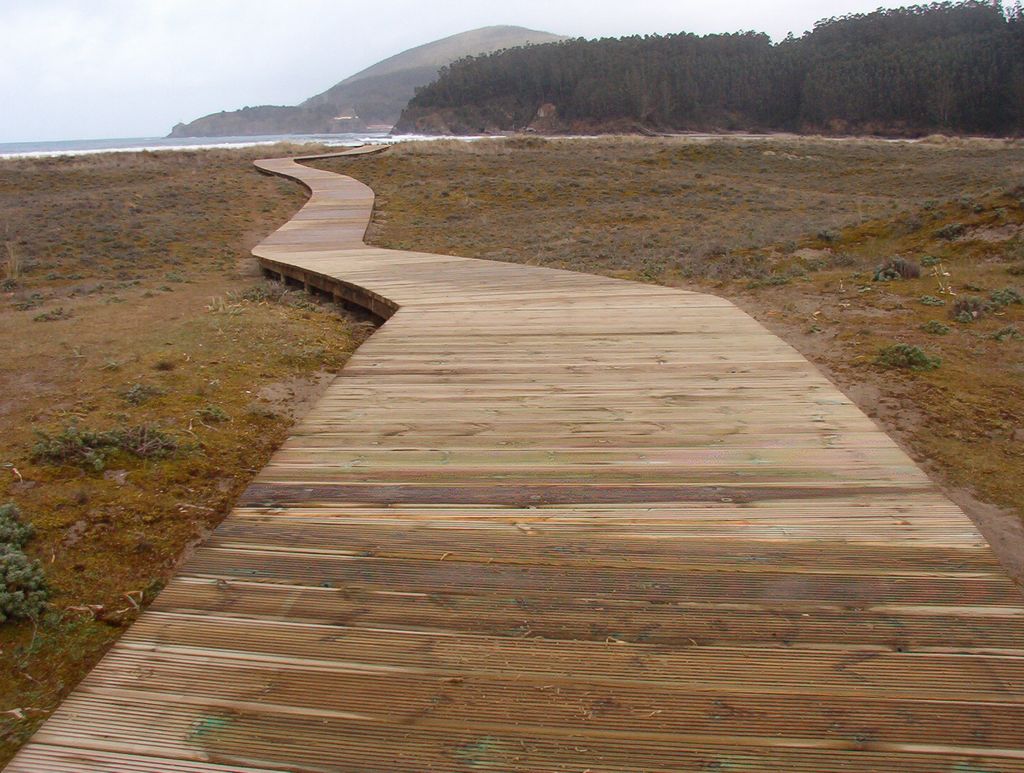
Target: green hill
{"points": [[374, 96]]}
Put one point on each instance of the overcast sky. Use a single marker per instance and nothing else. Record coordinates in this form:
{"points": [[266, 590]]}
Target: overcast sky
{"points": [[82, 69]]}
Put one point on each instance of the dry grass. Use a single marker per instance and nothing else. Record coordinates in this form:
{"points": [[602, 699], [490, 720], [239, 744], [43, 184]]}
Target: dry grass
{"points": [[12, 265], [158, 344], [657, 209], [791, 229]]}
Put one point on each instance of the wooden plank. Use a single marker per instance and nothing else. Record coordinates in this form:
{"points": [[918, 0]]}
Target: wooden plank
{"points": [[546, 521]]}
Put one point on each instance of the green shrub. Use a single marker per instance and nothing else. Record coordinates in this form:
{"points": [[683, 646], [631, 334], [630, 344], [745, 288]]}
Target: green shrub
{"points": [[951, 231], [969, 308], [137, 394], [266, 291], [22, 585], [930, 260], [1005, 297], [52, 316], [82, 448], [1009, 333], [897, 268], [905, 356], [146, 441], [12, 530], [34, 300], [212, 414], [91, 450], [931, 300], [934, 327]]}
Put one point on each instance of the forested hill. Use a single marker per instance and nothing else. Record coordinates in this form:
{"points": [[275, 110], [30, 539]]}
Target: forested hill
{"points": [[375, 95], [942, 67]]}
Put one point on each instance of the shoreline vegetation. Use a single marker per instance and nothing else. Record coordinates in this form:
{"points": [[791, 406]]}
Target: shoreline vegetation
{"points": [[148, 372]]}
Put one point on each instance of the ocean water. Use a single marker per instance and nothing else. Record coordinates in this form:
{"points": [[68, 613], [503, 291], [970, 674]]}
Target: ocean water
{"points": [[130, 144]]}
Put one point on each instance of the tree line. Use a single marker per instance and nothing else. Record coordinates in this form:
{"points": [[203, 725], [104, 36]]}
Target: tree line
{"points": [[956, 67]]}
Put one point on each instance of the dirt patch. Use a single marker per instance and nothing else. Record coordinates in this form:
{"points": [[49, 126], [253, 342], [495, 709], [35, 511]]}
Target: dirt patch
{"points": [[295, 396]]}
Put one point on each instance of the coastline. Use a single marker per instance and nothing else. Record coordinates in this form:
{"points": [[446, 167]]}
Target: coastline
{"points": [[71, 148]]}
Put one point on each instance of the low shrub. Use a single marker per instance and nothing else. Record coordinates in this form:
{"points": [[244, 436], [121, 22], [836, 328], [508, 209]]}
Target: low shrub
{"points": [[931, 300], [146, 441], [951, 231], [33, 301], [52, 316], [906, 357], [81, 448], [138, 394], [936, 328], [1009, 333], [212, 414], [22, 585], [969, 308], [12, 530], [897, 268], [1005, 297], [772, 280], [930, 260], [266, 291], [91, 449]]}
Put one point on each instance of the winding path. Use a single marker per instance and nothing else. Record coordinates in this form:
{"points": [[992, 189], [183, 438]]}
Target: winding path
{"points": [[547, 521]]}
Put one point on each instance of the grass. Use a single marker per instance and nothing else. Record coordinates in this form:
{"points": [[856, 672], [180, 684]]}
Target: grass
{"points": [[791, 230], [12, 266], [128, 429]]}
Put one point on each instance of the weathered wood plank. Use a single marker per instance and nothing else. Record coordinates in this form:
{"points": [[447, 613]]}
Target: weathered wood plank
{"points": [[547, 521]]}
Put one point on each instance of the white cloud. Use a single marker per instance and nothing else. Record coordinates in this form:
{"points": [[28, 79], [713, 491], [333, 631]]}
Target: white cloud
{"points": [[120, 68]]}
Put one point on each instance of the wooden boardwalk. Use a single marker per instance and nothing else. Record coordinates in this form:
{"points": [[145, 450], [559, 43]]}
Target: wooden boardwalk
{"points": [[547, 521]]}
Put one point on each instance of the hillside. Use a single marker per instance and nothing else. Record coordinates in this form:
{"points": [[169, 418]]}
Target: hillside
{"points": [[945, 67], [372, 96]]}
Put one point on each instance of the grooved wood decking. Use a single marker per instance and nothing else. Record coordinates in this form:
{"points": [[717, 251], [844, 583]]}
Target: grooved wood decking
{"points": [[547, 521]]}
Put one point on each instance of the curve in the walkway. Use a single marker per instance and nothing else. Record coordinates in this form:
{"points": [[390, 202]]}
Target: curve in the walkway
{"points": [[547, 521]]}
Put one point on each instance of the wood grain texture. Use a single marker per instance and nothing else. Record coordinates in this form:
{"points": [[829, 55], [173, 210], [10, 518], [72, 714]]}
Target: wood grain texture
{"points": [[547, 521]]}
